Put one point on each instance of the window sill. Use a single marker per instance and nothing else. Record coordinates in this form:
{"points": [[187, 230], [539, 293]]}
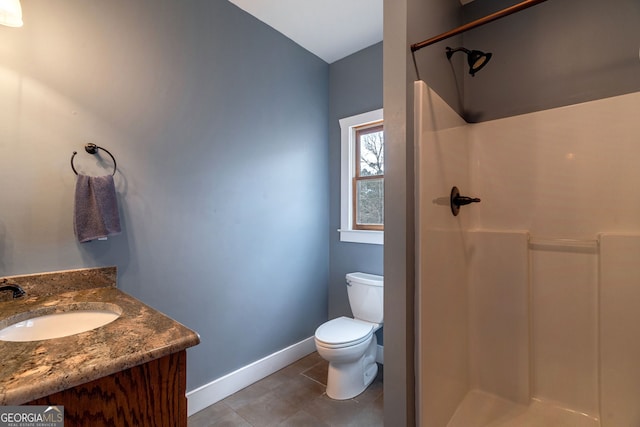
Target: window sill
{"points": [[371, 237]]}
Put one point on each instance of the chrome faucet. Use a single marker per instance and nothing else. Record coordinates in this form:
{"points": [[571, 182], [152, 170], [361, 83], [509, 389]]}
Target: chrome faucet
{"points": [[17, 290]]}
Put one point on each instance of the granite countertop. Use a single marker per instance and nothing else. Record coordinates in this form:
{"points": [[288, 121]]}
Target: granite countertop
{"points": [[30, 370]]}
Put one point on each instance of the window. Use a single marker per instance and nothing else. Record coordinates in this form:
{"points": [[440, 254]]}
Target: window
{"points": [[362, 178], [368, 180]]}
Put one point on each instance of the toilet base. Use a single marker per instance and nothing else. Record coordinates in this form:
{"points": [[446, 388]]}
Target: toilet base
{"points": [[349, 379]]}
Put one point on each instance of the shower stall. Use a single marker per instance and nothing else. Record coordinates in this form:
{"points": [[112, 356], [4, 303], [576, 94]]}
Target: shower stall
{"points": [[528, 302]]}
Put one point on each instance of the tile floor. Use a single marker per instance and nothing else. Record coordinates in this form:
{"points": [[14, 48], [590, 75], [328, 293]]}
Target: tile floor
{"points": [[294, 396]]}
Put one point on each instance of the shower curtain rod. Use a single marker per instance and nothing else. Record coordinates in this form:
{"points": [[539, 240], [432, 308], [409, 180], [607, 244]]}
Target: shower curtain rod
{"points": [[477, 23]]}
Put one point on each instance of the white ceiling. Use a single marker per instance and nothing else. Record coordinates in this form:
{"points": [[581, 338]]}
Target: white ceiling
{"points": [[330, 29]]}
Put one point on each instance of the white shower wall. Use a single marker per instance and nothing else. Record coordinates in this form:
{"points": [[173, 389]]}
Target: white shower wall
{"points": [[569, 172], [443, 345], [523, 307]]}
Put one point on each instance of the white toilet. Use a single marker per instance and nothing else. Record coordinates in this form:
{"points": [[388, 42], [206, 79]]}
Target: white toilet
{"points": [[350, 345]]}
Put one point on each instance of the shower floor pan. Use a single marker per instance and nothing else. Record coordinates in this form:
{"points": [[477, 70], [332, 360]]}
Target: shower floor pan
{"points": [[481, 409]]}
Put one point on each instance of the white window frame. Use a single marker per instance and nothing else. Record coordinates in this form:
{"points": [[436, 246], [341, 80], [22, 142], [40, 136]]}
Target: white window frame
{"points": [[348, 127]]}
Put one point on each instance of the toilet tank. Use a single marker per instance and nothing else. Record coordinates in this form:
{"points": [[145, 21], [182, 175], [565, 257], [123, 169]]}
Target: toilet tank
{"points": [[366, 296]]}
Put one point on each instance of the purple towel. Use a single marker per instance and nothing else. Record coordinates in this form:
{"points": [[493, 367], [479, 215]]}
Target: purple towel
{"points": [[96, 208]]}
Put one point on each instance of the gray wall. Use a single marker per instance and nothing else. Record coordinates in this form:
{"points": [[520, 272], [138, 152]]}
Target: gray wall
{"points": [[355, 86], [553, 54], [219, 127]]}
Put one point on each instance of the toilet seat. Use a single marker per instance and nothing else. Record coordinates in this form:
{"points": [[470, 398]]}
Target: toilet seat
{"points": [[343, 332]]}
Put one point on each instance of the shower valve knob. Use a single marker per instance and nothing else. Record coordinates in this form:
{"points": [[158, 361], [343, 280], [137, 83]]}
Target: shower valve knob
{"points": [[464, 200], [457, 200]]}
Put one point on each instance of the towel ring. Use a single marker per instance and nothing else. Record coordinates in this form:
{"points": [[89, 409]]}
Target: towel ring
{"points": [[93, 149]]}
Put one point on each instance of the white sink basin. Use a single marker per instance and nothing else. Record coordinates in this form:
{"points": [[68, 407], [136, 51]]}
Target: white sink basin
{"points": [[65, 321]]}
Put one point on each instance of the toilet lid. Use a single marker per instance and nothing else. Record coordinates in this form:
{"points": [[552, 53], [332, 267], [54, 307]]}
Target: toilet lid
{"points": [[344, 330]]}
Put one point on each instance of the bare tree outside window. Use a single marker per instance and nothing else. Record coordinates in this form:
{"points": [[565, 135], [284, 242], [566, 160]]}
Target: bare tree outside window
{"points": [[369, 178]]}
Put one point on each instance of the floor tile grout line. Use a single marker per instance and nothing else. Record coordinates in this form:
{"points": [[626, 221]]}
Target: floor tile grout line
{"points": [[245, 420], [314, 380]]}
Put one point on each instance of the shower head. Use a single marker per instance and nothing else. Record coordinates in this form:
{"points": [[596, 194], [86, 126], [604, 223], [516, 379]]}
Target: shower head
{"points": [[476, 59]]}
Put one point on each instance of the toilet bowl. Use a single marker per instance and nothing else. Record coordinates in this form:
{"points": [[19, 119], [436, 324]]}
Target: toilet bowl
{"points": [[350, 345]]}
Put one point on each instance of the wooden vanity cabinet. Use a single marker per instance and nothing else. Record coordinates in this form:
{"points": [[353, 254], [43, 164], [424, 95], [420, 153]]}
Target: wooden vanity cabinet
{"points": [[151, 394]]}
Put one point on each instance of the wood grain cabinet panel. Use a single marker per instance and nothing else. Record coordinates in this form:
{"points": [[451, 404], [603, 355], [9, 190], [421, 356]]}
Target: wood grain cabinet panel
{"points": [[152, 394]]}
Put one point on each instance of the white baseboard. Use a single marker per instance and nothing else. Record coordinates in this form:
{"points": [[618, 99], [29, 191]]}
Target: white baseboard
{"points": [[222, 387], [380, 355]]}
